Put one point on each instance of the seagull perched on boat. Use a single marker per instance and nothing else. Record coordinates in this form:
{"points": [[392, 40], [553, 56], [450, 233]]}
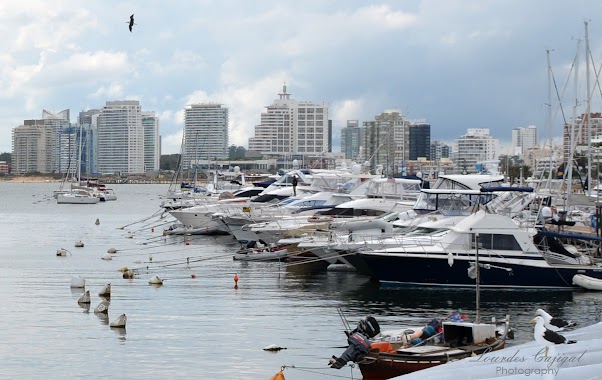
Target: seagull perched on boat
{"points": [[547, 337], [554, 324], [131, 22]]}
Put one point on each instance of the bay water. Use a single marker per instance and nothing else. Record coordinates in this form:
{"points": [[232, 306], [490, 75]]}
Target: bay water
{"points": [[198, 324]]}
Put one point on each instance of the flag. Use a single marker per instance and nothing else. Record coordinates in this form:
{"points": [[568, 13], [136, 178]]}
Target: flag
{"points": [[278, 376]]}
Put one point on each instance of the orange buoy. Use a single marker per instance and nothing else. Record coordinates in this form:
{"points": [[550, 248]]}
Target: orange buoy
{"points": [[236, 278], [187, 243]]}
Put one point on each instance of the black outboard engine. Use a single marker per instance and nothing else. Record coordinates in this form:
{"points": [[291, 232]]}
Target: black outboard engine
{"points": [[359, 346], [358, 341]]}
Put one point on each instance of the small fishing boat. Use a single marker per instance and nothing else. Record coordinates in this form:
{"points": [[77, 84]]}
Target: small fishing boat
{"points": [[381, 356]]}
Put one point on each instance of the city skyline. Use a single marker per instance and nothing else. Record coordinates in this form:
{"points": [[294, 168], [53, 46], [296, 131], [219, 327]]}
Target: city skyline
{"points": [[457, 65]]}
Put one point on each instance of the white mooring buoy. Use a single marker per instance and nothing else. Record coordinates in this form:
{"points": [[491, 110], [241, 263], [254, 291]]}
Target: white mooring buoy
{"points": [[107, 256], [102, 308], [273, 347], [106, 291], [119, 322], [78, 282], [85, 298], [111, 250], [155, 280], [79, 244], [61, 252]]}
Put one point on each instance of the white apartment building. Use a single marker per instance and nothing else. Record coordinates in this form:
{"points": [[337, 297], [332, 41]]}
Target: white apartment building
{"points": [[205, 133], [524, 139], [121, 138], [32, 148], [475, 146], [292, 127], [152, 141]]}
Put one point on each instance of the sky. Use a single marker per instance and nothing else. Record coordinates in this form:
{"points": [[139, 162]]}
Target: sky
{"points": [[457, 64]]}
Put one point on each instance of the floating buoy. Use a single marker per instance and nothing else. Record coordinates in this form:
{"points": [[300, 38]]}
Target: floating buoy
{"points": [[97, 222], [236, 278], [193, 275], [123, 269], [79, 244], [85, 298], [153, 229], [106, 291], [119, 322], [102, 308], [129, 236], [107, 256], [61, 252], [155, 280], [187, 243], [78, 282], [273, 347], [128, 274], [111, 250]]}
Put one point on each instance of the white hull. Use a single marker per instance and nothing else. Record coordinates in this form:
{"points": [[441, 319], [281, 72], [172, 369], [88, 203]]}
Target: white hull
{"points": [[76, 199]]}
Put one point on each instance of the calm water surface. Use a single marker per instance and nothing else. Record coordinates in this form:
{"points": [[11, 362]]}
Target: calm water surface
{"points": [[199, 327]]}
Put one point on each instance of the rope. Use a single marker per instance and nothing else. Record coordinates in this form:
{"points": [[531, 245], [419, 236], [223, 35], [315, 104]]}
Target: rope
{"points": [[317, 370]]}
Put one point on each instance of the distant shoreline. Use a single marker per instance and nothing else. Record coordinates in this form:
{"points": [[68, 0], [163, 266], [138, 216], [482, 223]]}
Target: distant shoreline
{"points": [[42, 179], [28, 179]]}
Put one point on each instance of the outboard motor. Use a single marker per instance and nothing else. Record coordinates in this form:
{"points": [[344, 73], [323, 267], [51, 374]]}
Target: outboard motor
{"points": [[359, 343], [359, 346]]}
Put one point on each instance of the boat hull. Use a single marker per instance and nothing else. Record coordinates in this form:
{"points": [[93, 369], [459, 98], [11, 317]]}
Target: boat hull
{"points": [[435, 270]]}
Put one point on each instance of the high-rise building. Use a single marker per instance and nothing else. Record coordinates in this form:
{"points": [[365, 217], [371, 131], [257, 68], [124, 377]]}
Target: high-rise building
{"points": [[205, 133], [524, 139], [584, 130], [32, 148], [64, 141], [88, 124], [475, 146], [439, 150], [420, 140], [292, 127], [152, 142], [351, 140], [121, 138], [386, 142]]}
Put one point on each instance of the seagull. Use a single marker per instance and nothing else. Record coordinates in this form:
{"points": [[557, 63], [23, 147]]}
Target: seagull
{"points": [[547, 337], [131, 22], [554, 324]]}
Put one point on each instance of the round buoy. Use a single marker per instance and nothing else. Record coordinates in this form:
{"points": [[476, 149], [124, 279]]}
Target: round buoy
{"points": [[79, 244], [85, 298], [111, 250], [153, 229], [119, 322], [236, 278], [193, 275], [61, 252], [187, 243], [128, 274], [97, 222], [78, 282], [107, 256], [155, 280]]}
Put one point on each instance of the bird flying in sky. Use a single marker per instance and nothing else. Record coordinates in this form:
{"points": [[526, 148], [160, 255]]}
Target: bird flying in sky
{"points": [[131, 22]]}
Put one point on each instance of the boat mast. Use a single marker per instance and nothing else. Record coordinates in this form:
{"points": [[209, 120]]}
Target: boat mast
{"points": [[478, 279], [573, 138], [587, 113], [549, 119]]}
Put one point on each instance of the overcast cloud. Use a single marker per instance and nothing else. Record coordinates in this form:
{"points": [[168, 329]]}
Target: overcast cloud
{"points": [[457, 64]]}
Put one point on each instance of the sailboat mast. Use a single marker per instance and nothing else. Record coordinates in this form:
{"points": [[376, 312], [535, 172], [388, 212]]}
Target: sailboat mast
{"points": [[478, 280], [550, 118], [573, 138], [79, 157], [587, 113]]}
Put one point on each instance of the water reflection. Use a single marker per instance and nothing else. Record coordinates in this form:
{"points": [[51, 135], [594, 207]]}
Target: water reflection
{"points": [[120, 331], [104, 318]]}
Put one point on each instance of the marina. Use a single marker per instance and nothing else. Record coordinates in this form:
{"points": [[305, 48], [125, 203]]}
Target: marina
{"points": [[200, 322]]}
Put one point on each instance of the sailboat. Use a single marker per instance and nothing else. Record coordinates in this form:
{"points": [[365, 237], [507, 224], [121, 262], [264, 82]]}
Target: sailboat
{"points": [[76, 194]]}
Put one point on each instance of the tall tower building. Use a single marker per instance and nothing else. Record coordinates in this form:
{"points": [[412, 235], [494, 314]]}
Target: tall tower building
{"points": [[386, 142], [88, 124], [420, 140], [439, 151], [351, 140], [64, 141], [524, 139], [152, 144], [292, 127], [205, 133], [475, 146], [121, 138], [32, 148]]}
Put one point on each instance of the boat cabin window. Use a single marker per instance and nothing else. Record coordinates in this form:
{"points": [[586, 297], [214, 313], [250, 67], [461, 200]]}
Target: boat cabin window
{"points": [[351, 212], [496, 241]]}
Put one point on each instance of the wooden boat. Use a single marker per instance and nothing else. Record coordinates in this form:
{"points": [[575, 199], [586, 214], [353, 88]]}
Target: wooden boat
{"points": [[388, 357]]}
